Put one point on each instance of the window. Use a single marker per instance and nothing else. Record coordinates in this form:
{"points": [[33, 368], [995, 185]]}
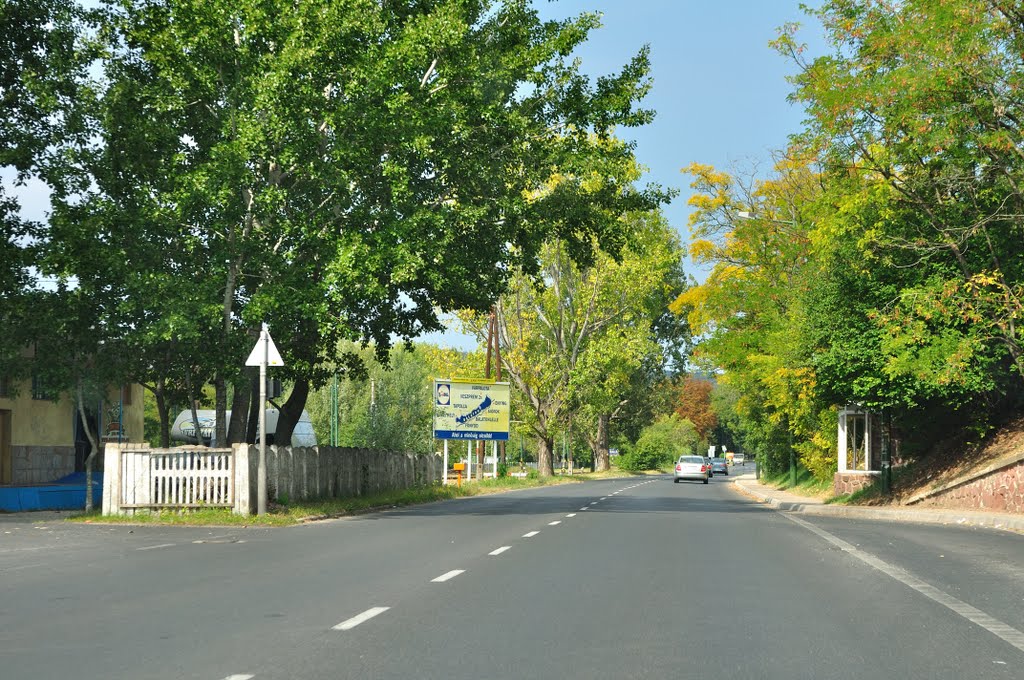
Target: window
{"points": [[40, 390]]}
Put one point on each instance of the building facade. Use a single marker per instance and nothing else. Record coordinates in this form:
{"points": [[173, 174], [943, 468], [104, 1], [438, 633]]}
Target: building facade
{"points": [[42, 436]]}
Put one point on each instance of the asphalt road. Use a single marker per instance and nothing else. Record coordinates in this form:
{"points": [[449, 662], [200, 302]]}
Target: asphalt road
{"points": [[637, 578]]}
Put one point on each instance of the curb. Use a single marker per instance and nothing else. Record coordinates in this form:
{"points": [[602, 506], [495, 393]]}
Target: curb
{"points": [[944, 517]]}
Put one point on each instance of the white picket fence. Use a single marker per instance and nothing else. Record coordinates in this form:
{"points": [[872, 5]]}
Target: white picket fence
{"points": [[139, 477]]}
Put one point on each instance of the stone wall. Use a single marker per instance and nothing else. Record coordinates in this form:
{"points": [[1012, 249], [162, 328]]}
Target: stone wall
{"points": [[40, 464], [844, 483], [301, 473], [999, 490]]}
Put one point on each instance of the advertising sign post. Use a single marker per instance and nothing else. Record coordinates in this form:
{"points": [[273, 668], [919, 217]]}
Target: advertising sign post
{"points": [[471, 409]]}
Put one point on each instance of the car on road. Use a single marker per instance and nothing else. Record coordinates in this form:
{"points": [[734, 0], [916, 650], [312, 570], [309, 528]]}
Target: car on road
{"points": [[719, 466], [739, 459], [693, 468]]}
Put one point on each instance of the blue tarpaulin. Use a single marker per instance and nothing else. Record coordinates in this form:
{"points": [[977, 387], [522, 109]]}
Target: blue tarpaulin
{"points": [[66, 493]]}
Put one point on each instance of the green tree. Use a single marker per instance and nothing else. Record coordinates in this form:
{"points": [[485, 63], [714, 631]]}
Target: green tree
{"points": [[928, 127], [347, 171], [575, 341]]}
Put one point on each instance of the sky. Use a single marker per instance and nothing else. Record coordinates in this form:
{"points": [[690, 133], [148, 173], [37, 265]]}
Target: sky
{"points": [[719, 91]]}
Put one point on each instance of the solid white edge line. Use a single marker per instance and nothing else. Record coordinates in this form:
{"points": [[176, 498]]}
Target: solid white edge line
{"points": [[499, 550], [162, 545], [530, 534], [571, 514], [557, 521], [975, 616], [447, 576], [360, 618]]}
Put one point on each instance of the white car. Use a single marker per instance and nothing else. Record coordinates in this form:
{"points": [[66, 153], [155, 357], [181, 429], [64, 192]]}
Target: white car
{"points": [[739, 459], [691, 467]]}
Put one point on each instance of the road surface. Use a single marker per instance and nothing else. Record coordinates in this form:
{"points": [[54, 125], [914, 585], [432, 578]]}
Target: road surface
{"points": [[633, 578]]}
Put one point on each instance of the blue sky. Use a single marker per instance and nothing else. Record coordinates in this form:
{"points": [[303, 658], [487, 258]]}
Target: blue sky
{"points": [[719, 89]]}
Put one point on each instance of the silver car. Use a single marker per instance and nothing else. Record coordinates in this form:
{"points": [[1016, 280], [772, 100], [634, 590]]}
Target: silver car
{"points": [[691, 467]]}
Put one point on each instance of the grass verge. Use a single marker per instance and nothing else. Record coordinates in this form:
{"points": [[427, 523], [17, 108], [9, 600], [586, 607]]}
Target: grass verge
{"points": [[806, 484], [285, 514]]}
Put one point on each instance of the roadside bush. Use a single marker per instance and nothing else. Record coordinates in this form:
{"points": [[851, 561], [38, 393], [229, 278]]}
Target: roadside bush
{"points": [[660, 444]]}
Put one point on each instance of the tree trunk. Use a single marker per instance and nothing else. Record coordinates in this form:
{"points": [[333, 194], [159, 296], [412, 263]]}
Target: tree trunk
{"points": [[545, 466], [291, 411], [94, 447], [220, 431], [602, 458], [192, 406], [238, 426], [165, 417]]}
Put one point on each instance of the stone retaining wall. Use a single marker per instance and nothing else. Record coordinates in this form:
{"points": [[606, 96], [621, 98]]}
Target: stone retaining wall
{"points": [[1000, 490], [844, 483]]}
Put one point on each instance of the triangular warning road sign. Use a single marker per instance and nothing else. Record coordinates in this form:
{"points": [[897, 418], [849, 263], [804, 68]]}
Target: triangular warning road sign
{"points": [[256, 355]]}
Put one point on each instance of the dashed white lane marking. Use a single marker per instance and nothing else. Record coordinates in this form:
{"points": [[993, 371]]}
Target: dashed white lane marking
{"points": [[531, 534], [448, 576], [975, 616], [499, 550], [604, 498], [571, 514], [162, 545], [359, 618], [593, 502], [557, 521], [585, 507], [240, 676]]}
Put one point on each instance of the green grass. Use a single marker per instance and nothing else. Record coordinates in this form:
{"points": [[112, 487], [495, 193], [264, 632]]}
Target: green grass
{"points": [[284, 514], [806, 483]]}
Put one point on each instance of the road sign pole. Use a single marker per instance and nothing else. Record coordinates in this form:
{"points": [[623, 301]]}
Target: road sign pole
{"points": [[261, 475], [446, 462]]}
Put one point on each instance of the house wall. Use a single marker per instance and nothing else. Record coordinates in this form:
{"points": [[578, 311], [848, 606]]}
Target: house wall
{"points": [[43, 432], [42, 436]]}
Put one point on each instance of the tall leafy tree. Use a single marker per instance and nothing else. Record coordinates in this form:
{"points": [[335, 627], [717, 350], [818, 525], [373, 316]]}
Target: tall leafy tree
{"points": [[920, 101], [574, 340], [347, 170]]}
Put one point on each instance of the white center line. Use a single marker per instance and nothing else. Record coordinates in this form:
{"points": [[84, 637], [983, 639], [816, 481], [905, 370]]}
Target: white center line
{"points": [[531, 534], [450, 575], [571, 514], [360, 618], [557, 521], [499, 550], [162, 545]]}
